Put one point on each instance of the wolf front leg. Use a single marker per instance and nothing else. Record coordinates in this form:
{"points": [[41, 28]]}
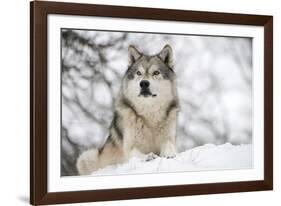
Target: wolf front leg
{"points": [[168, 149], [131, 151], [168, 146]]}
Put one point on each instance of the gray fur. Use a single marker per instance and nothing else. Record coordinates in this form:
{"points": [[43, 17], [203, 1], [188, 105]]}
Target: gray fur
{"points": [[166, 71], [115, 126], [173, 105]]}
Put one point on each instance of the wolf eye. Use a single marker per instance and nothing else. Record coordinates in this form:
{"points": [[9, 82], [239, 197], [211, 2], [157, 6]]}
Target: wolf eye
{"points": [[156, 73], [138, 73]]}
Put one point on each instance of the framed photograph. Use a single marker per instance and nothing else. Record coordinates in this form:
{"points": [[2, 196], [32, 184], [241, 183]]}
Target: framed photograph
{"points": [[131, 102]]}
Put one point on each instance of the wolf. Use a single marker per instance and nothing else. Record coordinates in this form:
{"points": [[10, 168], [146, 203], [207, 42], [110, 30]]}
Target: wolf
{"points": [[145, 114]]}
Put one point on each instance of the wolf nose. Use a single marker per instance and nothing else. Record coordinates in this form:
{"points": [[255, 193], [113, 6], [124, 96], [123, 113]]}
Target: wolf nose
{"points": [[144, 84]]}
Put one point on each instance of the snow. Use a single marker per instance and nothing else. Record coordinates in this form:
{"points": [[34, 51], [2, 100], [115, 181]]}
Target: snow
{"points": [[202, 158]]}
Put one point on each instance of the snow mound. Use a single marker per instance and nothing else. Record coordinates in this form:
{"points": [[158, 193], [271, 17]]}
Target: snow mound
{"points": [[206, 157]]}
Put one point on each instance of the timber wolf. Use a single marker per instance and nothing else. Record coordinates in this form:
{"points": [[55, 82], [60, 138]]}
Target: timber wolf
{"points": [[145, 114]]}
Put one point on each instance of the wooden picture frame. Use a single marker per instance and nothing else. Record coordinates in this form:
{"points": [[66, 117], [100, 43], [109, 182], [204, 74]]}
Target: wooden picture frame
{"points": [[39, 11]]}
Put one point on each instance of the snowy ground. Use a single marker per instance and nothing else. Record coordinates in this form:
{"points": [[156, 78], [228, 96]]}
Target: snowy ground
{"points": [[207, 157]]}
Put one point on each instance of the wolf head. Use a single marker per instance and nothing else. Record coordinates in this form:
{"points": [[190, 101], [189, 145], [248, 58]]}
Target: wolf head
{"points": [[150, 79]]}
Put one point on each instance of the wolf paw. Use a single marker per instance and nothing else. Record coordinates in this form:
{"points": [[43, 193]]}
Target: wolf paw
{"points": [[168, 150], [150, 156], [169, 156]]}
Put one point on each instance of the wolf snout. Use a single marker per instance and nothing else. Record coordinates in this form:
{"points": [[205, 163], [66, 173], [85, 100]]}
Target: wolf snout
{"points": [[144, 84]]}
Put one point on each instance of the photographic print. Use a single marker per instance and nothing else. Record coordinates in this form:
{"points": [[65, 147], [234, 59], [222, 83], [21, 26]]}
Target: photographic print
{"points": [[129, 102], [148, 103]]}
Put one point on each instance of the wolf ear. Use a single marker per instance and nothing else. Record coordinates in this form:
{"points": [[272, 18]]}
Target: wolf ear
{"points": [[166, 55], [134, 54]]}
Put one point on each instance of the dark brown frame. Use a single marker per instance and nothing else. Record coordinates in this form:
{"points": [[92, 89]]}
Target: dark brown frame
{"points": [[38, 102]]}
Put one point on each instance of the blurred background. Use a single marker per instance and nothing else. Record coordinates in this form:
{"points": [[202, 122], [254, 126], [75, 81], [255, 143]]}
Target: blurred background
{"points": [[214, 78]]}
